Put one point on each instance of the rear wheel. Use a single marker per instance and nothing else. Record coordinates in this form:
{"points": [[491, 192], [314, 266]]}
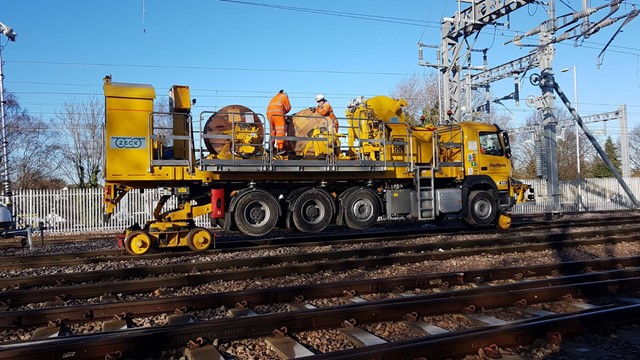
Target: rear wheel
{"points": [[256, 213], [482, 208], [313, 211], [199, 239], [361, 209], [137, 242]]}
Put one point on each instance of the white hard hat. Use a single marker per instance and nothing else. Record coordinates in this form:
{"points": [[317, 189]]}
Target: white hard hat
{"points": [[319, 97]]}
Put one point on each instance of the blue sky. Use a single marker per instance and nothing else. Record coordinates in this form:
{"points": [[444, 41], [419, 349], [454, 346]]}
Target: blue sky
{"points": [[232, 53]]}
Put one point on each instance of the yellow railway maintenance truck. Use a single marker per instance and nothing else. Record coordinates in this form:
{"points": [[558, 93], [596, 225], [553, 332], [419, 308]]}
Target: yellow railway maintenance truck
{"points": [[219, 163]]}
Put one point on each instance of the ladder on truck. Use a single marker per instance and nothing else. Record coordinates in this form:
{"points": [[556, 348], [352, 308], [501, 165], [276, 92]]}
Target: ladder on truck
{"points": [[425, 193], [425, 174]]}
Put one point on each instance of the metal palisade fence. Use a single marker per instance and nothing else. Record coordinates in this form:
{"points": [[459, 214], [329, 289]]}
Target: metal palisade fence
{"points": [[71, 211]]}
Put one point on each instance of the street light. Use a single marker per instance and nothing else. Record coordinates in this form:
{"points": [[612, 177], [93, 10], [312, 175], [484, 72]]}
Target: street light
{"points": [[575, 100]]}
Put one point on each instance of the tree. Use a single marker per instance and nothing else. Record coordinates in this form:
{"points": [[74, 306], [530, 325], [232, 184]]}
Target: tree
{"points": [[31, 148], [524, 143], [421, 94], [634, 150], [599, 169], [80, 133]]}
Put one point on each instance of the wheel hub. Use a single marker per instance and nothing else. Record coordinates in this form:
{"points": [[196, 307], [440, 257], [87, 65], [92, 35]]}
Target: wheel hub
{"points": [[482, 209], [362, 209], [312, 212], [256, 214]]}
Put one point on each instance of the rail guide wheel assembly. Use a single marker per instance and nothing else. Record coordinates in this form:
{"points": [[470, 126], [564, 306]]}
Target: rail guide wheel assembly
{"points": [[138, 242], [199, 239]]}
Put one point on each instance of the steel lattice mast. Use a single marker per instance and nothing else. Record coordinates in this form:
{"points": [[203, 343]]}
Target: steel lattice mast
{"points": [[454, 56]]}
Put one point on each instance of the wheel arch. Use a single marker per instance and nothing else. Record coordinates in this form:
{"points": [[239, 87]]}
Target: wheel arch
{"points": [[293, 198], [234, 200], [478, 182]]}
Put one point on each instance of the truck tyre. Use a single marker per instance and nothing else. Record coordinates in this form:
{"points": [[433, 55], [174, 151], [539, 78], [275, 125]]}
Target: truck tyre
{"points": [[313, 211], [256, 213], [361, 209], [482, 208]]}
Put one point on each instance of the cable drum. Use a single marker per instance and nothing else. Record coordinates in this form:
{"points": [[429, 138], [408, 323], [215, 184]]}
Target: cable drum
{"points": [[307, 123], [238, 121]]}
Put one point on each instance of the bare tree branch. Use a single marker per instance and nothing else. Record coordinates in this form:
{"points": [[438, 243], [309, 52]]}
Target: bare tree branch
{"points": [[80, 135]]}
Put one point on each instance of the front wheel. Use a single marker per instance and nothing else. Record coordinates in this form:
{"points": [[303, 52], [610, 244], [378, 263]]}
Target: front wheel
{"points": [[256, 213], [482, 208]]}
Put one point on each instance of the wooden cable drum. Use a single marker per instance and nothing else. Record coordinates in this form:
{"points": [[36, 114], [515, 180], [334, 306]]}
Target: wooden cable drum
{"points": [[222, 123], [302, 124]]}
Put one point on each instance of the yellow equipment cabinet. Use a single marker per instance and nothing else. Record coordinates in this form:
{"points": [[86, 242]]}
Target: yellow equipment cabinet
{"points": [[132, 162], [219, 163], [127, 130]]}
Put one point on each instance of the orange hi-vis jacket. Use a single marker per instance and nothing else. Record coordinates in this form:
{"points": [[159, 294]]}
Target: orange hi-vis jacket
{"points": [[325, 109], [278, 107]]}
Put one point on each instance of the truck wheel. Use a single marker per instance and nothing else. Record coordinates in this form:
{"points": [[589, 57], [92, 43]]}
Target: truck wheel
{"points": [[482, 208], [199, 239], [137, 242], [361, 209], [256, 213], [313, 211]]}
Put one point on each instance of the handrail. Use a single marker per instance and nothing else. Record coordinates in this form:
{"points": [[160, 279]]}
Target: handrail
{"points": [[189, 138]]}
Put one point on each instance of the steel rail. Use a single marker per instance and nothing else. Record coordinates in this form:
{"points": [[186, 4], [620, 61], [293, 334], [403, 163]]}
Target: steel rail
{"points": [[505, 240], [457, 345], [91, 257], [142, 341], [566, 273], [301, 263]]}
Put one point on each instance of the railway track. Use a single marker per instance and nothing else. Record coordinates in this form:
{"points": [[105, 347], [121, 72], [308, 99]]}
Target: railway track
{"points": [[410, 310], [518, 231], [42, 288], [215, 289], [474, 279]]}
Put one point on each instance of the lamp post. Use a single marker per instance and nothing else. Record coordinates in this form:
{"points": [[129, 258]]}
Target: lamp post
{"points": [[575, 100]]}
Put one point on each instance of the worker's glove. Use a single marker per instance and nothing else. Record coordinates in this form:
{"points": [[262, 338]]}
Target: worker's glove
{"points": [[312, 109]]}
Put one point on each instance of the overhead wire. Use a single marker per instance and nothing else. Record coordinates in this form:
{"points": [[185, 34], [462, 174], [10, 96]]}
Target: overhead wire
{"points": [[151, 66], [369, 17], [424, 30], [424, 24]]}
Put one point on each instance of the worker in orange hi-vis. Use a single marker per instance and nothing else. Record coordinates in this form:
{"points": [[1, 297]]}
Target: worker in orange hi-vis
{"points": [[278, 107], [325, 109]]}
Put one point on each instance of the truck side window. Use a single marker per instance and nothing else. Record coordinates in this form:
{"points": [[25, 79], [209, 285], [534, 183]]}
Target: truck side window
{"points": [[490, 144]]}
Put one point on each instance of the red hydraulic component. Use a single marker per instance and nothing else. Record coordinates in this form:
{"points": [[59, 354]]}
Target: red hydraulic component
{"points": [[217, 203], [120, 239]]}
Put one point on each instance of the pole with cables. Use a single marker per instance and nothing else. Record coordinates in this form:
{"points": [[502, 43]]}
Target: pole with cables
{"points": [[6, 181]]}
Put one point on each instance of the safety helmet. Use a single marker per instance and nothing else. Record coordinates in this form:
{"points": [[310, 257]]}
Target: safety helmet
{"points": [[319, 97]]}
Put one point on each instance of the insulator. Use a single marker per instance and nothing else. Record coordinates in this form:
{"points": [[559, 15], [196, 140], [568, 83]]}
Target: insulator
{"points": [[603, 24], [584, 13]]}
